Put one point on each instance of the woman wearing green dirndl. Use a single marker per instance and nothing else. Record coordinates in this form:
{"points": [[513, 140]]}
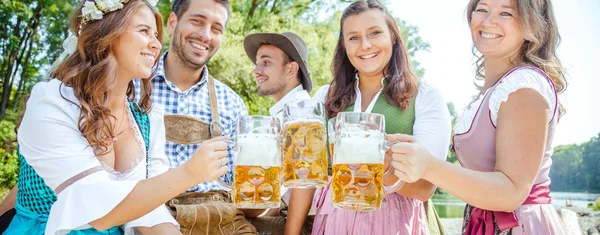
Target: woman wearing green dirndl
{"points": [[372, 75]]}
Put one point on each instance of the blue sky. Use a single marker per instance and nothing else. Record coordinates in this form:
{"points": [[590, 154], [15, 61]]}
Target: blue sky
{"points": [[448, 63]]}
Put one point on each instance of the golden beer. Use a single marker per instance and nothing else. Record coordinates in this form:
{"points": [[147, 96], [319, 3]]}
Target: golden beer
{"points": [[257, 171], [358, 162], [257, 186], [357, 187], [358, 169], [304, 154]]}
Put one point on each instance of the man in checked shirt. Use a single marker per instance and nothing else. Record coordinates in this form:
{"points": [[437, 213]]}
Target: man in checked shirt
{"points": [[197, 108]]}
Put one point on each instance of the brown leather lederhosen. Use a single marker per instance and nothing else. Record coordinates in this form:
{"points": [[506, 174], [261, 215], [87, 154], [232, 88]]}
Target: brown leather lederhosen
{"points": [[211, 212], [183, 129]]}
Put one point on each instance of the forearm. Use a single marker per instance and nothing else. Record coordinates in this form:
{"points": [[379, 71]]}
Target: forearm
{"points": [[300, 203], [146, 196], [421, 190], [487, 190], [159, 229], [9, 201]]}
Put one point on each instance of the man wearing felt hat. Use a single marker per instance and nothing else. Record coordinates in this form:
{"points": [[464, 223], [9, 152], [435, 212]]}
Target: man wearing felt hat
{"points": [[281, 72]]}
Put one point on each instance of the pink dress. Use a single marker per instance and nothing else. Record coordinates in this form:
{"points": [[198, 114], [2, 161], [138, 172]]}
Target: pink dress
{"points": [[476, 149], [398, 215]]}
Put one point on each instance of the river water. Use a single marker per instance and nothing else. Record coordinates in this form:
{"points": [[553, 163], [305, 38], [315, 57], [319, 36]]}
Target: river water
{"points": [[450, 207]]}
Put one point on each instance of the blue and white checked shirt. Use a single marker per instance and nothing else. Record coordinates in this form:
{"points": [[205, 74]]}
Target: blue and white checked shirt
{"points": [[195, 102]]}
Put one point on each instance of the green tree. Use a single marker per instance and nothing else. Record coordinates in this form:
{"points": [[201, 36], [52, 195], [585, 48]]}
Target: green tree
{"points": [[8, 155], [31, 33], [591, 166], [566, 172], [575, 167]]}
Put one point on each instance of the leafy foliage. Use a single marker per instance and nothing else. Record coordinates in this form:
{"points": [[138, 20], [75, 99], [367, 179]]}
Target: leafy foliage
{"points": [[575, 167], [9, 165], [31, 36]]}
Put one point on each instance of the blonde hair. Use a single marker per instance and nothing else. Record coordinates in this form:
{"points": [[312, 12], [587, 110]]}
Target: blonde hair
{"points": [[536, 18], [91, 71]]}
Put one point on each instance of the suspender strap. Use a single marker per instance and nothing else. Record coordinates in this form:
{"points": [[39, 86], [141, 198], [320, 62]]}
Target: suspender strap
{"points": [[215, 126]]}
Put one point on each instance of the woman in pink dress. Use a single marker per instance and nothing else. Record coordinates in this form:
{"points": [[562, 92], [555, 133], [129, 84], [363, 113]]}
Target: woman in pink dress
{"points": [[372, 75], [504, 138]]}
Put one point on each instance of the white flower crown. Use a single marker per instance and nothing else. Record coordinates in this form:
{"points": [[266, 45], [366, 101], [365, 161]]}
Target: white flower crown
{"points": [[95, 9]]}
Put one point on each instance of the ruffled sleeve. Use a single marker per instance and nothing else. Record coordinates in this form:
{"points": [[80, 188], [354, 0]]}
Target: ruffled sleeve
{"points": [[520, 79], [158, 163], [85, 201], [50, 141], [432, 126]]}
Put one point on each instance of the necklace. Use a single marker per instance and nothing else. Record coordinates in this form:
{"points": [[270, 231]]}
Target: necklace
{"points": [[114, 139]]}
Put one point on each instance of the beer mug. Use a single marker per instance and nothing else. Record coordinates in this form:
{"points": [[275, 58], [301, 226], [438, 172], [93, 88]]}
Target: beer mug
{"points": [[360, 147], [330, 142], [331, 135], [257, 163], [304, 144]]}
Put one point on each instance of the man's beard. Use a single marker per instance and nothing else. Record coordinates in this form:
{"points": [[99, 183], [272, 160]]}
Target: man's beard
{"points": [[279, 86], [185, 60]]}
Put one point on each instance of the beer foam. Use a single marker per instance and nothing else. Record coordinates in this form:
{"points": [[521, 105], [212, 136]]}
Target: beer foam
{"points": [[258, 149], [359, 146]]}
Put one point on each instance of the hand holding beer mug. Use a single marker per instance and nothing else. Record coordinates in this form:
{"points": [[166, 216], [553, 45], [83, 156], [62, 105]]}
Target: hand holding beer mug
{"points": [[304, 144], [358, 159], [257, 163]]}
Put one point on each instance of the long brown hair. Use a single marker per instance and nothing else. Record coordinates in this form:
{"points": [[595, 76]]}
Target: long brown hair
{"points": [[401, 84], [91, 71], [536, 18]]}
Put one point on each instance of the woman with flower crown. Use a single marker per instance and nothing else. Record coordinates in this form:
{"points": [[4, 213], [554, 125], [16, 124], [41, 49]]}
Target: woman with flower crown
{"points": [[92, 161]]}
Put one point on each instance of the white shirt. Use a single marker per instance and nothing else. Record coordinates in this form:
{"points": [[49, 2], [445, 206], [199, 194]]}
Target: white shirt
{"points": [[50, 141], [432, 126], [519, 79], [297, 93]]}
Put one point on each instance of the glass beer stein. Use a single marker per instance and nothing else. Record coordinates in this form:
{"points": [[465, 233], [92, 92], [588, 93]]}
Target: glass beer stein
{"points": [[331, 135], [257, 163], [304, 144], [360, 148], [330, 142]]}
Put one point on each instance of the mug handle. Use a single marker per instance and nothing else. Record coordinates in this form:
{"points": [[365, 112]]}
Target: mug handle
{"points": [[398, 184], [220, 180]]}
